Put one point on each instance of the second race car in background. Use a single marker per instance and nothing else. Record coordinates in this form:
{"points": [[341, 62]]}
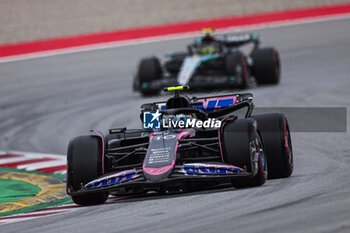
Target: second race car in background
{"points": [[211, 62]]}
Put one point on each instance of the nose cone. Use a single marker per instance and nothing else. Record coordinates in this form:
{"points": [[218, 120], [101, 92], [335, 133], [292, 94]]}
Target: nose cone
{"points": [[160, 157], [158, 174]]}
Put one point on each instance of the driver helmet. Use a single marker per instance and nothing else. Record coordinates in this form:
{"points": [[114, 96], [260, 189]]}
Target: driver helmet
{"points": [[208, 49], [206, 45], [207, 35]]}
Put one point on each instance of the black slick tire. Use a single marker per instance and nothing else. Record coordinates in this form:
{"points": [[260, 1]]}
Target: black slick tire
{"points": [[83, 165], [242, 143], [149, 70], [267, 67], [278, 144]]}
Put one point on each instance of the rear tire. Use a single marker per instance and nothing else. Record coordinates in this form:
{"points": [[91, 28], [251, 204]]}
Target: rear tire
{"points": [[84, 165], [266, 68], [278, 144], [149, 70], [236, 66], [241, 138]]}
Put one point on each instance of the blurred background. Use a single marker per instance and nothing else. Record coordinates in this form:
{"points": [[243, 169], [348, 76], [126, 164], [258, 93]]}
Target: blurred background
{"points": [[26, 20]]}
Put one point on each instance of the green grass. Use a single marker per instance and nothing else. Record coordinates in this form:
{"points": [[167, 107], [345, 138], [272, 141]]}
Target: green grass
{"points": [[14, 190]]}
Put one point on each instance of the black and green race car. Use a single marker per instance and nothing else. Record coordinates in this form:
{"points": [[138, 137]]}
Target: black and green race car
{"points": [[211, 62]]}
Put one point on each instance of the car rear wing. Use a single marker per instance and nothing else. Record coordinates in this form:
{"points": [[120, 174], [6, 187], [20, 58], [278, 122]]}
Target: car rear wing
{"points": [[233, 40], [213, 105]]}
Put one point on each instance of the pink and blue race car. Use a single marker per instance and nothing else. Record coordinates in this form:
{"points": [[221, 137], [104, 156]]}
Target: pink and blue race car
{"points": [[185, 143]]}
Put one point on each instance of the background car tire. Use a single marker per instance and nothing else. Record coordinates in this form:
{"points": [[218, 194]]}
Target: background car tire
{"points": [[149, 70], [235, 65], [84, 165], [238, 138], [266, 68], [278, 145]]}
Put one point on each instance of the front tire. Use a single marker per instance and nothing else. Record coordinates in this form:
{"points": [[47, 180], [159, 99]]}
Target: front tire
{"points": [[83, 165], [278, 144], [243, 147], [149, 70]]}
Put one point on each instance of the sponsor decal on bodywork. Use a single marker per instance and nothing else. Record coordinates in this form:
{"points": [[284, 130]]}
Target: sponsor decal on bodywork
{"points": [[160, 156], [216, 103], [117, 178], [209, 169]]}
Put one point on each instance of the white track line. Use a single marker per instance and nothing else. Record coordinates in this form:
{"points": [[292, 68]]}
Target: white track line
{"points": [[35, 166], [13, 160], [27, 216], [63, 172], [58, 160]]}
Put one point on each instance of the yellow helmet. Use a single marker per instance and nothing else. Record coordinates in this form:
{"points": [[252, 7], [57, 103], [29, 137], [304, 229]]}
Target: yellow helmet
{"points": [[207, 30]]}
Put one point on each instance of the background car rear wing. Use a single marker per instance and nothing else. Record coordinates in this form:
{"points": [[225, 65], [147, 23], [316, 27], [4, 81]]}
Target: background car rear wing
{"points": [[239, 39]]}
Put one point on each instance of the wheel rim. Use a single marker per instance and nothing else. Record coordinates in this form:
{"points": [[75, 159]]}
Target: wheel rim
{"points": [[262, 156], [288, 146]]}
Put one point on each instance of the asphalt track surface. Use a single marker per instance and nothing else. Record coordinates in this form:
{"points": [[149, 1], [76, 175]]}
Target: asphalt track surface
{"points": [[46, 101]]}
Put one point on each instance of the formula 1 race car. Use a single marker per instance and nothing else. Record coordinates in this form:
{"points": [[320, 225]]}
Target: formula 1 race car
{"points": [[210, 63], [185, 143]]}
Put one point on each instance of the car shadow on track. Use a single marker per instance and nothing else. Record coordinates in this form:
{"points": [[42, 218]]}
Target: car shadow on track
{"points": [[157, 196]]}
